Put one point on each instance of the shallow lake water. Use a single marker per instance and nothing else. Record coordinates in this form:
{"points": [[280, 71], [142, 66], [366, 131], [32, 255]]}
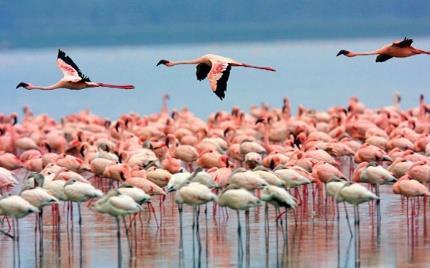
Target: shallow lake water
{"points": [[309, 73], [315, 237]]}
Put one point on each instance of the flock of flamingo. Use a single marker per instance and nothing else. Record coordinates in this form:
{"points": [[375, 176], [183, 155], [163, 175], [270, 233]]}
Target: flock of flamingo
{"points": [[216, 68], [235, 159]]}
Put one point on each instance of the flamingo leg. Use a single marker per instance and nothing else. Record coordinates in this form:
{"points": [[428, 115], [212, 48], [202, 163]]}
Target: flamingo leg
{"points": [[347, 219]]}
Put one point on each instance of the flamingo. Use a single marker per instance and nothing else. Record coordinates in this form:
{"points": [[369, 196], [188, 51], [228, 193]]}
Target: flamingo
{"points": [[279, 197], [17, 207], [355, 194], [73, 77], [194, 194], [397, 49], [238, 199], [202, 177], [409, 187], [268, 176], [138, 195], [216, 68], [176, 180], [37, 196], [7, 178], [76, 191], [117, 205], [246, 179]]}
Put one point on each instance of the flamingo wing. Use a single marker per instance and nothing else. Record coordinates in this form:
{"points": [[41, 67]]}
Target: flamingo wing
{"points": [[69, 69], [406, 42], [218, 77], [383, 57], [202, 71]]}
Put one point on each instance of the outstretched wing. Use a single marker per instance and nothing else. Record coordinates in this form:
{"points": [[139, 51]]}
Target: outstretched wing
{"points": [[70, 70], [383, 57], [218, 77], [202, 70], [407, 42]]}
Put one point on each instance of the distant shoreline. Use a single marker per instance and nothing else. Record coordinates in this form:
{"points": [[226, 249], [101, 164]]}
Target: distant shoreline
{"points": [[200, 34]]}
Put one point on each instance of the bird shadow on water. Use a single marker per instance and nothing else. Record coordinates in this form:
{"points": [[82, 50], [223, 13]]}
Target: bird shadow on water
{"points": [[181, 239]]}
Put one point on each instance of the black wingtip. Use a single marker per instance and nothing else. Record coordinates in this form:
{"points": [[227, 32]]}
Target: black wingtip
{"points": [[61, 54], [22, 84], [342, 52], [162, 62]]}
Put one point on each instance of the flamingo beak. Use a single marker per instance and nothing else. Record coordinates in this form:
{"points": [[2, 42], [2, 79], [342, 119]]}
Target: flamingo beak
{"points": [[342, 52], [162, 62], [22, 84]]}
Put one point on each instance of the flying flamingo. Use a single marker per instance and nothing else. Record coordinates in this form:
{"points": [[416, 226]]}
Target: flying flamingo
{"points": [[398, 49], [73, 77], [216, 68]]}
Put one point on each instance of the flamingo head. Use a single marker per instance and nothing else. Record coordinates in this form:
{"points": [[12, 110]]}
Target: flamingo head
{"points": [[224, 161], [343, 52], [165, 62], [122, 175], [23, 84]]}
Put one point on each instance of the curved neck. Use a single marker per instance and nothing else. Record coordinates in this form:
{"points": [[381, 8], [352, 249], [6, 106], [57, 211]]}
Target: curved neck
{"points": [[266, 137]]}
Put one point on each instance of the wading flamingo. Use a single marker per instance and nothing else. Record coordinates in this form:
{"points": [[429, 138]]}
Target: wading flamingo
{"points": [[73, 77], [216, 68], [193, 194], [117, 205], [37, 196], [17, 207], [355, 194], [279, 197], [76, 191], [238, 199]]}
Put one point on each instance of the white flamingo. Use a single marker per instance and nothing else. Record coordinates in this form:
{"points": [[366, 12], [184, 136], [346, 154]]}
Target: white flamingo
{"points": [[38, 196], [355, 194], [16, 207], [238, 199], [117, 205], [76, 191]]}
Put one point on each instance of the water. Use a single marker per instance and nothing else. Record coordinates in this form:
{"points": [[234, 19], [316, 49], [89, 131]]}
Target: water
{"points": [[309, 73], [315, 239]]}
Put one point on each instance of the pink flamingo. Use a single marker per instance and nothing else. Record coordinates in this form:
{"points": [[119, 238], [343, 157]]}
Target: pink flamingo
{"points": [[73, 77], [216, 68], [397, 49]]}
